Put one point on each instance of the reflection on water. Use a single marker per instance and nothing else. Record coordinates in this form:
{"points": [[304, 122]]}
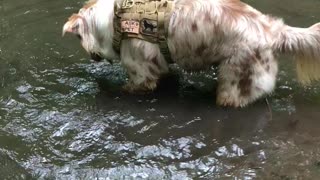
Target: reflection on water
{"points": [[64, 117]]}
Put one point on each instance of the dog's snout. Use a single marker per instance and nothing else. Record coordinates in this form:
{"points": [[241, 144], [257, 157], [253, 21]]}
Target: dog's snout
{"points": [[95, 57], [79, 37]]}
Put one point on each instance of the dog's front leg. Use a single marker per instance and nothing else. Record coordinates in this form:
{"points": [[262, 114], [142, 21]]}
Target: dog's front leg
{"points": [[144, 64]]}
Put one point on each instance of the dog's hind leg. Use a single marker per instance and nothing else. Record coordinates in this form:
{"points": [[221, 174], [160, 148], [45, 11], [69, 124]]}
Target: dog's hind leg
{"points": [[245, 77], [144, 64]]}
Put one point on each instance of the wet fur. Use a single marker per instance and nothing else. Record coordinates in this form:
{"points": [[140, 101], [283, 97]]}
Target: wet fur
{"points": [[201, 33]]}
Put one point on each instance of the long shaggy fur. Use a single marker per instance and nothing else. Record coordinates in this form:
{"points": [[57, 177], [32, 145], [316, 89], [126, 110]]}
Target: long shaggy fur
{"points": [[242, 40], [303, 43]]}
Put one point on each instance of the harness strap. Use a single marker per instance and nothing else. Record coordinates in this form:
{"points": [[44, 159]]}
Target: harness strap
{"points": [[143, 19]]}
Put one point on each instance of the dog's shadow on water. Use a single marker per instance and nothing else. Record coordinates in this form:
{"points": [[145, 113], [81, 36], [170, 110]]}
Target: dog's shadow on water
{"points": [[183, 110]]}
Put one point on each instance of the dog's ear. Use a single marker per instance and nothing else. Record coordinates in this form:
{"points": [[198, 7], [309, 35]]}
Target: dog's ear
{"points": [[72, 25]]}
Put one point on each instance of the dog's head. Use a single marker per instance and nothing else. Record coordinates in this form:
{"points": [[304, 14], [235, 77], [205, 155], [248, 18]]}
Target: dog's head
{"points": [[93, 25]]}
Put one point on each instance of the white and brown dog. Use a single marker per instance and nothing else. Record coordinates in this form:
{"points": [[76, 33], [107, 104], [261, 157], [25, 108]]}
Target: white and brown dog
{"points": [[203, 32]]}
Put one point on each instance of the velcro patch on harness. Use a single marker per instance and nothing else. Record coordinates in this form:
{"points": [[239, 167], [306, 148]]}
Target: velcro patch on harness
{"points": [[149, 27], [130, 26], [145, 26]]}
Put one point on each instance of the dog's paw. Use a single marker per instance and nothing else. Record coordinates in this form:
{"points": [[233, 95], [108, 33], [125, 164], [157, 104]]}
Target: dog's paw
{"points": [[132, 89], [231, 101], [141, 89], [227, 101]]}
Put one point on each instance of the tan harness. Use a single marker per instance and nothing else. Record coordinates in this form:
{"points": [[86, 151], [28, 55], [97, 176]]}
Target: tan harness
{"points": [[143, 19]]}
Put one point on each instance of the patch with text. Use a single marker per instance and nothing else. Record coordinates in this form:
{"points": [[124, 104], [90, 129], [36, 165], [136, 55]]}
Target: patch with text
{"points": [[130, 26]]}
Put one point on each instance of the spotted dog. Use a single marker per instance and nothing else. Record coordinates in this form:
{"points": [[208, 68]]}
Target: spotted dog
{"points": [[200, 33]]}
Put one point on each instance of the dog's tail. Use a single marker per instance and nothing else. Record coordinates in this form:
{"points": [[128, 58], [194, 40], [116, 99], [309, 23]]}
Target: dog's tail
{"points": [[304, 44]]}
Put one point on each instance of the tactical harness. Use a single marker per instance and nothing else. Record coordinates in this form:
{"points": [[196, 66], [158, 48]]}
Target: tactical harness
{"points": [[143, 19]]}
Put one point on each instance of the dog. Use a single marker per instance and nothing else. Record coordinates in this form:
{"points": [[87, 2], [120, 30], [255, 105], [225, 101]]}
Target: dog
{"points": [[240, 39]]}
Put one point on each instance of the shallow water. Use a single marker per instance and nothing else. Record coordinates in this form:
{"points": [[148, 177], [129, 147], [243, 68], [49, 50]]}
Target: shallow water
{"points": [[62, 117]]}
